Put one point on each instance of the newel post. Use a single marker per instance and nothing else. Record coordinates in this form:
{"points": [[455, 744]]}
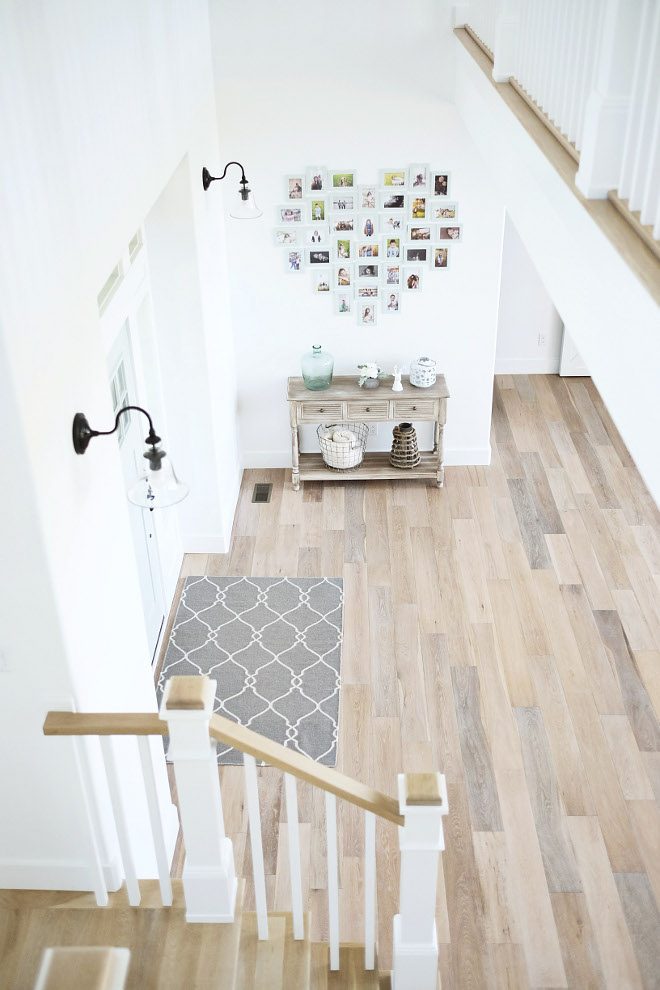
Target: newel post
{"points": [[209, 879], [422, 802]]}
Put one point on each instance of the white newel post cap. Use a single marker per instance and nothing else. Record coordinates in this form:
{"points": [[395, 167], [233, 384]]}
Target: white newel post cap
{"points": [[423, 803], [187, 707]]}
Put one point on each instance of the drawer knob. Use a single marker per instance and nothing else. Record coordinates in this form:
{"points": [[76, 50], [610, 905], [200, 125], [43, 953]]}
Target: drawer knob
{"points": [[414, 408], [368, 409], [321, 409]]}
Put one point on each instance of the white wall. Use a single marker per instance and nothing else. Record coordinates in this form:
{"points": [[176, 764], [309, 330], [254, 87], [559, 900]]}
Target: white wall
{"points": [[609, 314], [529, 328], [98, 107], [362, 90]]}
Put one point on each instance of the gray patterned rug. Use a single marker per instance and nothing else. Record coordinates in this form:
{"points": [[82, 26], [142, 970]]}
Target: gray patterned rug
{"points": [[274, 647]]}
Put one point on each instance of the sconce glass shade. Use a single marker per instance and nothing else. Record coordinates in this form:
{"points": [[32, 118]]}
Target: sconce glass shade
{"points": [[245, 209], [158, 489]]}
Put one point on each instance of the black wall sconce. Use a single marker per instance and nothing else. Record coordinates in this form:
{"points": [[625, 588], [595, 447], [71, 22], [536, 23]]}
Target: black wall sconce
{"points": [[158, 486], [244, 207]]}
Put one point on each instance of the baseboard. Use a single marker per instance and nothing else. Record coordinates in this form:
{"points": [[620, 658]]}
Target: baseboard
{"points": [[50, 874], [467, 456], [267, 459], [527, 366]]}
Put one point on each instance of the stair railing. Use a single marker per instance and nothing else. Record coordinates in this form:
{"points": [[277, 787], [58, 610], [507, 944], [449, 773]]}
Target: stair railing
{"points": [[209, 877]]}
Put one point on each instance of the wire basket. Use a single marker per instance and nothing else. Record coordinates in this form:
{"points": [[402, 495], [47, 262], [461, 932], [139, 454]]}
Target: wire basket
{"points": [[342, 455]]}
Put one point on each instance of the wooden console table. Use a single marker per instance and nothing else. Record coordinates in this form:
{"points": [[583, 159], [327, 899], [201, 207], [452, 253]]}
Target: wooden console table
{"points": [[345, 402]]}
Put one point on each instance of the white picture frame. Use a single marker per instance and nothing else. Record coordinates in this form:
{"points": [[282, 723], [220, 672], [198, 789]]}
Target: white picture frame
{"points": [[318, 235], [392, 201], [391, 247], [418, 206], [289, 236], [347, 197], [420, 231], [368, 226], [393, 222], [367, 197], [366, 291], [343, 277], [417, 253], [442, 209], [367, 271], [289, 254], [321, 282], [317, 210], [343, 302], [291, 213], [294, 184], [392, 273], [393, 178], [343, 223], [413, 272], [417, 172], [312, 173], [342, 179], [318, 257], [390, 300], [367, 312], [436, 188], [367, 249], [342, 249], [440, 250], [444, 235]]}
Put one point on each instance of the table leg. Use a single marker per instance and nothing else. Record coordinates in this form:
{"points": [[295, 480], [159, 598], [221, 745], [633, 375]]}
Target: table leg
{"points": [[295, 458], [436, 436], [440, 443]]}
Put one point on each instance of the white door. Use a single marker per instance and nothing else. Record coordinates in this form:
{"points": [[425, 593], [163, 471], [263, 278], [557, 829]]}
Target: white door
{"points": [[133, 428]]}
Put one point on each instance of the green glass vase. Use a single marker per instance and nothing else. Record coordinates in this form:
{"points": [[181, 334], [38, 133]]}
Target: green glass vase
{"points": [[317, 367]]}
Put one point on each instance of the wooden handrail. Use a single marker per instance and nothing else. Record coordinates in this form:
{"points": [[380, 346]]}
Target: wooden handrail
{"points": [[241, 738]]}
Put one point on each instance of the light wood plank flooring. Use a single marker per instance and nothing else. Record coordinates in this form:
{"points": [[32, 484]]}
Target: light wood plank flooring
{"points": [[506, 631]]}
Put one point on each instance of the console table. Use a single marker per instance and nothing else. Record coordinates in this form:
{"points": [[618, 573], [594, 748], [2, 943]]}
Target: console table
{"points": [[345, 402]]}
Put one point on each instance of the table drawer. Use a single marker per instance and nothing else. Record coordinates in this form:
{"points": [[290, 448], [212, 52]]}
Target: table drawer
{"points": [[369, 409], [320, 412], [414, 408]]}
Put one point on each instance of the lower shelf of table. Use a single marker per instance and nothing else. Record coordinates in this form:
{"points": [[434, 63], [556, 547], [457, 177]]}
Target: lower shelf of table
{"points": [[376, 465]]}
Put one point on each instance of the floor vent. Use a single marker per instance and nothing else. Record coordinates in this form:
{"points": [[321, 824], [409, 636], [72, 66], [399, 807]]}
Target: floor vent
{"points": [[262, 493]]}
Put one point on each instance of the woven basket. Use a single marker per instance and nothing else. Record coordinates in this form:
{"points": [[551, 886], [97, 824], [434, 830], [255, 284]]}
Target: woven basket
{"points": [[343, 456], [404, 453]]}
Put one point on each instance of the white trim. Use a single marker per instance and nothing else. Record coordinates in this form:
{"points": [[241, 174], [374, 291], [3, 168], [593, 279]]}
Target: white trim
{"points": [[527, 366], [454, 457], [53, 874], [467, 456]]}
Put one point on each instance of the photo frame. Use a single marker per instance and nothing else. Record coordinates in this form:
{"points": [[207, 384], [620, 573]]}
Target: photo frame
{"points": [[366, 249], [440, 183], [315, 180], [417, 253], [342, 223], [368, 226], [294, 260], [367, 197], [450, 232], [390, 300], [317, 257], [342, 178], [290, 214], [440, 258], [291, 236], [392, 274], [419, 232], [442, 209], [418, 207], [413, 278], [343, 277], [392, 201], [294, 186], [367, 272], [343, 200], [392, 223], [367, 291], [419, 177], [342, 248], [367, 312], [342, 303], [319, 234], [321, 281], [393, 178], [318, 210], [391, 247]]}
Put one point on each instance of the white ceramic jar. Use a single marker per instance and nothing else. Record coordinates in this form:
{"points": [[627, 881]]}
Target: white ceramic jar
{"points": [[422, 372]]}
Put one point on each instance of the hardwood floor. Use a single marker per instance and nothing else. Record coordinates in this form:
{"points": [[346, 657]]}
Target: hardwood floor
{"points": [[506, 631]]}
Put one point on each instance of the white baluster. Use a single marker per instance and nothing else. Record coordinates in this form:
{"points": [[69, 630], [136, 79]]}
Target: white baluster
{"points": [[121, 825], [209, 879], [81, 758], [155, 817], [651, 135], [422, 802], [290, 788], [641, 62], [333, 880], [254, 817], [369, 890], [504, 41], [578, 69]]}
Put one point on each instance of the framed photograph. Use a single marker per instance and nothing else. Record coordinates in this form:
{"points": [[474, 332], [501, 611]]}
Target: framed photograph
{"points": [[418, 207], [367, 249], [417, 253], [318, 210], [392, 274], [287, 237], [422, 233], [343, 201], [315, 179], [343, 276], [321, 281], [367, 292], [419, 177], [342, 180], [391, 247], [440, 183], [367, 272], [440, 257], [367, 312], [392, 201], [295, 185], [342, 248], [442, 209], [315, 235], [294, 260], [318, 256], [391, 223], [367, 197], [391, 300], [413, 278], [342, 303], [368, 225], [447, 233], [289, 214], [342, 223], [393, 177]]}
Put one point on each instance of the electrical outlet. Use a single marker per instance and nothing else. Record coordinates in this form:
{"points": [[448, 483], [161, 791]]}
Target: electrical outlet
{"points": [[373, 429], [541, 339]]}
